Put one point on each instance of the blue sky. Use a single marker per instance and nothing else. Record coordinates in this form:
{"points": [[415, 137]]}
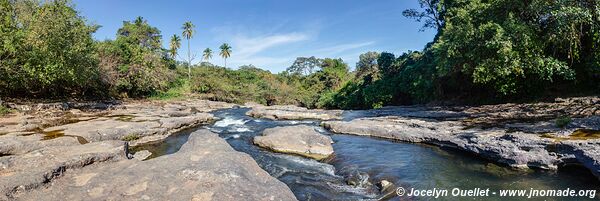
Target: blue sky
{"points": [[271, 33]]}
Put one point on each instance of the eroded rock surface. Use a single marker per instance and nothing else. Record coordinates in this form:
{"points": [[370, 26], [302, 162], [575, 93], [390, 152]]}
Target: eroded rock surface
{"points": [[290, 112], [139, 122], [20, 173], [301, 140], [493, 132], [205, 168]]}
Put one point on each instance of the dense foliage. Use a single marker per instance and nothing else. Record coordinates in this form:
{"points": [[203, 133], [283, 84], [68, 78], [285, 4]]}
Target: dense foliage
{"points": [[484, 51], [47, 49], [135, 64], [487, 50]]}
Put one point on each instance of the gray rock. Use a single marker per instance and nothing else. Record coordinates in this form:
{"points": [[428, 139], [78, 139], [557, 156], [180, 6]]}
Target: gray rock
{"points": [[205, 168], [290, 112], [300, 140], [142, 155], [387, 189], [516, 150], [20, 173], [501, 144]]}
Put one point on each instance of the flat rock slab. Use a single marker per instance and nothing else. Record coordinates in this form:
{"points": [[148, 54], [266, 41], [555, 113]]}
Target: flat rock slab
{"points": [[515, 149], [290, 112], [300, 140], [19, 173], [205, 168]]}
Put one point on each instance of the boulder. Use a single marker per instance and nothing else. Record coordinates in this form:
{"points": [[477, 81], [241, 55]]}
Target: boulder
{"points": [[300, 140]]}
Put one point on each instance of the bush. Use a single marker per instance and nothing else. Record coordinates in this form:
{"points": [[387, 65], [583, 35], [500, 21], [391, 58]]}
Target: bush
{"points": [[563, 122], [131, 137], [4, 110], [47, 50], [135, 65]]}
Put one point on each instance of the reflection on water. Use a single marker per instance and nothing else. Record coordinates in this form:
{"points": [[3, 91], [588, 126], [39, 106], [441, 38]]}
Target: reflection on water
{"points": [[167, 146]]}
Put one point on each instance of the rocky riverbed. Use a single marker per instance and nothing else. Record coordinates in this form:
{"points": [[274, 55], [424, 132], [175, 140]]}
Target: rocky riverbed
{"points": [[48, 151], [517, 135], [43, 146]]}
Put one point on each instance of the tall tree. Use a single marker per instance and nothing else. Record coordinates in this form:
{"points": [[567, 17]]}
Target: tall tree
{"points": [[174, 45], [304, 65], [188, 33], [432, 16], [207, 54], [366, 67], [139, 32], [225, 52]]}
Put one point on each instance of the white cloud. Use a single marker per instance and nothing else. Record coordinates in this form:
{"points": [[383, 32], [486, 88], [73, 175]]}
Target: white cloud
{"points": [[332, 51], [274, 49], [250, 46]]}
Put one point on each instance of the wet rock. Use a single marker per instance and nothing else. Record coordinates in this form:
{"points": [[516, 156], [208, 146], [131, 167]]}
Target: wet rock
{"points": [[586, 153], [142, 155], [205, 168], [355, 178], [290, 112], [20, 173], [387, 189], [301, 140]]}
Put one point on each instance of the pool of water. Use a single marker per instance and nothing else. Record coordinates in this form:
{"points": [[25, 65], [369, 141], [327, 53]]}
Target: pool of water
{"points": [[404, 164]]}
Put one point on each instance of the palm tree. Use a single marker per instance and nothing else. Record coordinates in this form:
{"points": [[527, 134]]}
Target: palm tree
{"points": [[188, 33], [207, 54], [174, 45], [225, 52]]}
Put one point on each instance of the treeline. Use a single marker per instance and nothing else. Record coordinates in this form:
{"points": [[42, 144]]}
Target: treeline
{"points": [[48, 51], [486, 51]]}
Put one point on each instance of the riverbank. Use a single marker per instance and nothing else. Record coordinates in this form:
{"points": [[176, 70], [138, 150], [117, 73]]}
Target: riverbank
{"points": [[540, 135], [48, 149], [44, 147]]}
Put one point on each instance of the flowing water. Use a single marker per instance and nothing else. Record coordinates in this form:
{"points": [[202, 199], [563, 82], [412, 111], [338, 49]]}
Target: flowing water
{"points": [[372, 160]]}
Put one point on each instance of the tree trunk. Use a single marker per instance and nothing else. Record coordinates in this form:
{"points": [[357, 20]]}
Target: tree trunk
{"points": [[189, 62]]}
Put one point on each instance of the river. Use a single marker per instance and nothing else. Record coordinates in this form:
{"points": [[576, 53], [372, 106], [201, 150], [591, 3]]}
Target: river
{"points": [[372, 160]]}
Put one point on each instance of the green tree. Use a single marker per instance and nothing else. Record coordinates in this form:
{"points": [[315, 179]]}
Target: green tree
{"points": [[432, 16], [174, 45], [225, 52], [47, 49], [385, 62], [304, 65], [134, 63], [188, 33], [140, 33], [367, 68], [207, 54]]}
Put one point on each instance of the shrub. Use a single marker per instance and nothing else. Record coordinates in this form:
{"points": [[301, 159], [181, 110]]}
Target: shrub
{"points": [[563, 121], [131, 137], [4, 110]]}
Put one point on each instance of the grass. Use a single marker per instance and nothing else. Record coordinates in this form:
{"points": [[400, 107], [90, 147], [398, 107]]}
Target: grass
{"points": [[563, 121], [131, 137], [4, 110], [178, 90]]}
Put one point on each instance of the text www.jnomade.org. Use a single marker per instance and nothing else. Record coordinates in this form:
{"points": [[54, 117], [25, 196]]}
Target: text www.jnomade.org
{"points": [[481, 192]]}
